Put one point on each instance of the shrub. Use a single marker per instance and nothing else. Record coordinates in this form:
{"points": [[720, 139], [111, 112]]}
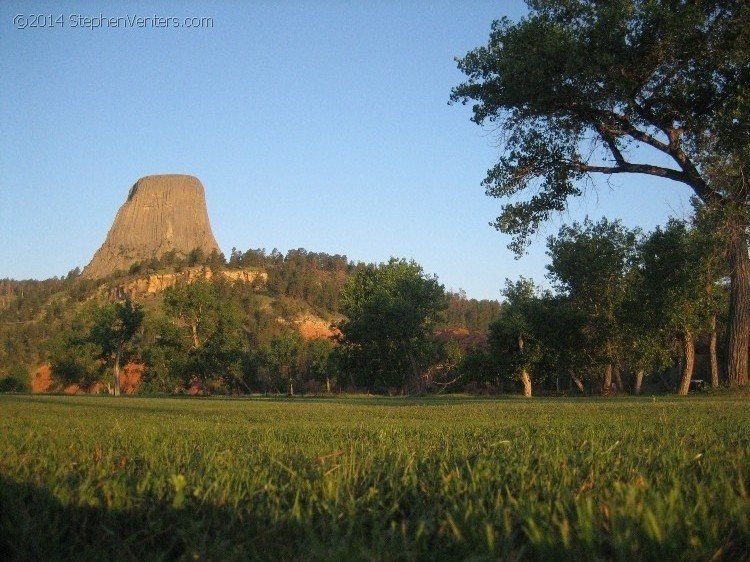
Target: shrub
{"points": [[17, 380]]}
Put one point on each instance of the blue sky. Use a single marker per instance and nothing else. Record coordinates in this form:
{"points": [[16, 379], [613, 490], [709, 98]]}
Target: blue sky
{"points": [[320, 124]]}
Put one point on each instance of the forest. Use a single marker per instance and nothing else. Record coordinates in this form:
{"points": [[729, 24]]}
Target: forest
{"points": [[51, 321], [627, 310]]}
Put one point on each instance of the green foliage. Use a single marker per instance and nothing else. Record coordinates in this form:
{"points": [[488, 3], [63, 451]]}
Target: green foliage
{"points": [[311, 277], [165, 364], [677, 277], [320, 362], [114, 325], [17, 379], [173, 260], [284, 352], [391, 310], [74, 360], [590, 262], [667, 75], [202, 340], [374, 478], [654, 87], [32, 312], [98, 336], [473, 314], [516, 338], [478, 368]]}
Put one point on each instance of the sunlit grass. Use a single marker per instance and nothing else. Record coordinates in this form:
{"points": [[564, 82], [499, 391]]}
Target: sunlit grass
{"points": [[375, 478]]}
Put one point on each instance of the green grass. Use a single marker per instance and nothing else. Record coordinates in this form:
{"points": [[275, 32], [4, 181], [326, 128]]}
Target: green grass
{"points": [[374, 478]]}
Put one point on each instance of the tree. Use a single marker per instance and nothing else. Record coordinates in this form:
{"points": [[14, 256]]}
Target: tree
{"points": [[391, 312], [74, 359], [642, 344], [114, 326], [320, 365], [589, 266], [677, 288], [656, 87], [477, 367], [710, 239], [283, 354], [207, 346], [515, 337]]}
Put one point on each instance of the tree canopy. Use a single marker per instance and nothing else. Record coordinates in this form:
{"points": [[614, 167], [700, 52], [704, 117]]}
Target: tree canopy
{"points": [[115, 324], [391, 310], [629, 86]]}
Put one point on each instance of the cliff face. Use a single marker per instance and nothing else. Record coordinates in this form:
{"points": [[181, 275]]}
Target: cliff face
{"points": [[161, 213], [157, 282]]}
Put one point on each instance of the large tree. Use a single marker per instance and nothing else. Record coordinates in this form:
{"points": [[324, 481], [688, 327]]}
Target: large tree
{"points": [[589, 268], [205, 343], [676, 287], [656, 87], [391, 312], [115, 324], [516, 337]]}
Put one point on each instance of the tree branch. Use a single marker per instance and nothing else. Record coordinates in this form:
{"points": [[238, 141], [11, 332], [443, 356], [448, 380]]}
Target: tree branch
{"points": [[626, 127], [628, 167], [688, 174]]}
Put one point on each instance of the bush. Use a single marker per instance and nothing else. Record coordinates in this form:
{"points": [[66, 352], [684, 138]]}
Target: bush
{"points": [[17, 380]]}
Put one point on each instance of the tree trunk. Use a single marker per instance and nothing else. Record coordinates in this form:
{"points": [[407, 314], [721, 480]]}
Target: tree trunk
{"points": [[618, 378], [638, 381], [291, 387], [416, 376], [117, 373], [739, 305], [194, 329], [687, 366], [607, 386], [712, 352], [579, 383], [328, 384], [526, 380]]}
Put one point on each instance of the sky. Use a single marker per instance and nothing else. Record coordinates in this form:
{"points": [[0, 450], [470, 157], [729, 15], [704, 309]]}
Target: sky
{"points": [[322, 125]]}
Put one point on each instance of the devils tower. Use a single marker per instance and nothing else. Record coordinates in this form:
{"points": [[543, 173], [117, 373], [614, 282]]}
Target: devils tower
{"points": [[161, 214]]}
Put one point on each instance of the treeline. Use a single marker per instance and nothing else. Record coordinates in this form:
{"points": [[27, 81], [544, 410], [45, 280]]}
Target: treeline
{"points": [[206, 336], [43, 319], [472, 314], [316, 278], [626, 308], [217, 336], [32, 311], [313, 277]]}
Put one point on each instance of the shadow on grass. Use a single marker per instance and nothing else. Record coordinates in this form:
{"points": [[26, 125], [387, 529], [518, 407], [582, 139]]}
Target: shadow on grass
{"points": [[35, 525]]}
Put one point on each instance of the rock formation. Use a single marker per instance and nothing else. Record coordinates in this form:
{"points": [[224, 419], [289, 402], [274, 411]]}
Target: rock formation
{"points": [[155, 283], [161, 214]]}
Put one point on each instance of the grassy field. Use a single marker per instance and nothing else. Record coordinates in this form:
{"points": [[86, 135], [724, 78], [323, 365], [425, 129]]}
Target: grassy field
{"points": [[374, 478]]}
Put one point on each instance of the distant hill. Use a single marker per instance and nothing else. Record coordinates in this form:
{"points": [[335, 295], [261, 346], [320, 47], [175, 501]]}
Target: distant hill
{"points": [[298, 291], [162, 237]]}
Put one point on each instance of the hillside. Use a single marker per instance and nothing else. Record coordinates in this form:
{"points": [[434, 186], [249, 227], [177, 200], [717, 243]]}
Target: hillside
{"points": [[274, 295]]}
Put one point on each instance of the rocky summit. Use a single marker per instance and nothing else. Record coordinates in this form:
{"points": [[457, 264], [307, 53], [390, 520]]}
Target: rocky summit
{"points": [[161, 214]]}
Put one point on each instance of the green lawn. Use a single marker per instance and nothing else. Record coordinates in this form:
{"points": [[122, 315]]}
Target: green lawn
{"points": [[89, 477]]}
